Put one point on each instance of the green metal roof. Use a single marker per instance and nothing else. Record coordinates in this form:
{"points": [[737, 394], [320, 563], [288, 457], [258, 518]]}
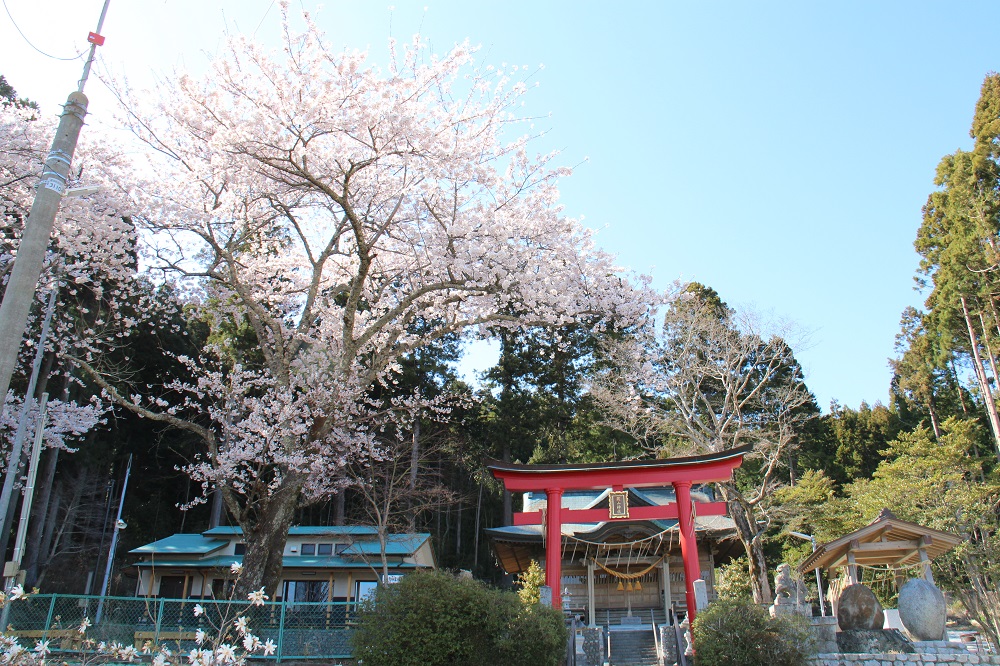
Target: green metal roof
{"points": [[304, 530], [288, 562], [396, 544], [181, 544]]}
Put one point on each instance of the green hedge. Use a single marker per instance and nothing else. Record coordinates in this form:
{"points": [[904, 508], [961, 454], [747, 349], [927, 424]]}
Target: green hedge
{"points": [[432, 618], [734, 632]]}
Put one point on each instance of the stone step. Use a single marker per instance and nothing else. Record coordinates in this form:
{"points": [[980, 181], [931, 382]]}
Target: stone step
{"points": [[620, 616], [633, 648]]}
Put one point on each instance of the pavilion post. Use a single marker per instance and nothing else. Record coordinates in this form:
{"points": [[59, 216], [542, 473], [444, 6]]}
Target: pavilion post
{"points": [[689, 547], [925, 561], [553, 545]]}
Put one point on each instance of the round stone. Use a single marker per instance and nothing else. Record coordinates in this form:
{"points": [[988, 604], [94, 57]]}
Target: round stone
{"points": [[922, 610], [859, 609]]}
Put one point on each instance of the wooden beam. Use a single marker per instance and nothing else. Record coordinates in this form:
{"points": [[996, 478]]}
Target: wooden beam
{"points": [[880, 546]]}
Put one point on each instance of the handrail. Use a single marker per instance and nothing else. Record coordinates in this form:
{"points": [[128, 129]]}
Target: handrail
{"points": [[656, 641], [678, 638]]}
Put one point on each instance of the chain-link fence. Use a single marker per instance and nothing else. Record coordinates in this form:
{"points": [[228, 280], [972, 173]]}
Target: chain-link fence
{"points": [[300, 630]]}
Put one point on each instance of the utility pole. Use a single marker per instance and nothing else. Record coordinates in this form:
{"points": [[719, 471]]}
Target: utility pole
{"points": [[16, 455], [119, 526], [27, 269], [12, 570]]}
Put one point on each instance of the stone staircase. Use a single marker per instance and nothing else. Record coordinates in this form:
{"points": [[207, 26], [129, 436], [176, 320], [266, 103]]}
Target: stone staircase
{"points": [[619, 616], [632, 642], [633, 648]]}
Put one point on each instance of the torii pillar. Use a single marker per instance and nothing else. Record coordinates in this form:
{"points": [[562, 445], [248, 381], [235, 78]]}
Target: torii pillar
{"points": [[681, 473]]}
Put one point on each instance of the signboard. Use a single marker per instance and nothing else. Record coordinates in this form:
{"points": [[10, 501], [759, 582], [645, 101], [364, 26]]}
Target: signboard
{"points": [[618, 504]]}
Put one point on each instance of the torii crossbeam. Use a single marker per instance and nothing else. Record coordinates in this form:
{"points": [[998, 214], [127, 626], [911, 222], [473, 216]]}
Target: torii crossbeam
{"points": [[681, 473]]}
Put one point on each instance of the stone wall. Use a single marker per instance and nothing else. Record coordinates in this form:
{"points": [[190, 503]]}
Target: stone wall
{"points": [[904, 659], [668, 645], [591, 652]]}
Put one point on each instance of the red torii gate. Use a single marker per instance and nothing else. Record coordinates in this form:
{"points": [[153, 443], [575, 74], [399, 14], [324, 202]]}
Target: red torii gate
{"points": [[681, 473]]}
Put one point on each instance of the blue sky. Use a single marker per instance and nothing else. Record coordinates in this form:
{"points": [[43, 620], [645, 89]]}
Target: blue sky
{"points": [[779, 152]]}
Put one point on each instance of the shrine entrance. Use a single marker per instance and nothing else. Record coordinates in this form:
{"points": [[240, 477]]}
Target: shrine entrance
{"points": [[617, 582]]}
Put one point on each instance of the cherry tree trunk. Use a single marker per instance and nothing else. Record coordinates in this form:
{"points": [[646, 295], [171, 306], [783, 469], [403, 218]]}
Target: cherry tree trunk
{"points": [[265, 537], [749, 535]]}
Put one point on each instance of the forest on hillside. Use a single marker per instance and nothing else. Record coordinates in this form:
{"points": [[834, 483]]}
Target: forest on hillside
{"points": [[266, 324]]}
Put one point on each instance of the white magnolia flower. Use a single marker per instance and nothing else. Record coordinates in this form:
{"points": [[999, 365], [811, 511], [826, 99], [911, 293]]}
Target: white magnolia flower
{"points": [[236, 568], [269, 647], [241, 625], [257, 597], [225, 654], [84, 625], [199, 610], [199, 637], [42, 648]]}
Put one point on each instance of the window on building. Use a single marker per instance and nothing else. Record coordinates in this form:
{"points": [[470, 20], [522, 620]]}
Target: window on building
{"points": [[306, 590], [365, 589], [222, 588], [341, 547], [172, 587], [308, 549], [240, 548], [324, 549]]}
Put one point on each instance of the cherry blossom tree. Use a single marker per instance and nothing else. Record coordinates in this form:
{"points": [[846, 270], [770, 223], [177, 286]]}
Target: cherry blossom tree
{"points": [[314, 209]]}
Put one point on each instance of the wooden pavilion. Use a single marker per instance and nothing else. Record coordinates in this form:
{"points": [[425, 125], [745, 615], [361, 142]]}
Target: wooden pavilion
{"points": [[885, 542]]}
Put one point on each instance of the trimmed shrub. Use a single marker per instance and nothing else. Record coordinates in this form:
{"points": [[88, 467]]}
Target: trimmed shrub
{"points": [[733, 632], [733, 580], [531, 581], [435, 618]]}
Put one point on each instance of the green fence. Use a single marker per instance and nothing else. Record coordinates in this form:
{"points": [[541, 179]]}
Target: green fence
{"points": [[300, 630]]}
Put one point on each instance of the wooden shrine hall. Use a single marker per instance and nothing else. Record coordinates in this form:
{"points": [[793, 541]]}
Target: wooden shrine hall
{"points": [[622, 518]]}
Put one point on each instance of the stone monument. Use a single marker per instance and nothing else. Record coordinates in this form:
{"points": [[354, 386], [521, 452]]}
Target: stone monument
{"points": [[859, 609], [860, 616], [922, 610]]}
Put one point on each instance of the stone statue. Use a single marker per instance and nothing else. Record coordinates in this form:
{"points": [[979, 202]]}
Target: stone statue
{"points": [[789, 594], [785, 589]]}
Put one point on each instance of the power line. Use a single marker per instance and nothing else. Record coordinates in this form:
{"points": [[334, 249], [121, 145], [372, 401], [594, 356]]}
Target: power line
{"points": [[261, 18], [25, 37]]}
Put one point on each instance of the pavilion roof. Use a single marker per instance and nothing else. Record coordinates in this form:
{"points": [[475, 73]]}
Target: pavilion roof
{"points": [[887, 540]]}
